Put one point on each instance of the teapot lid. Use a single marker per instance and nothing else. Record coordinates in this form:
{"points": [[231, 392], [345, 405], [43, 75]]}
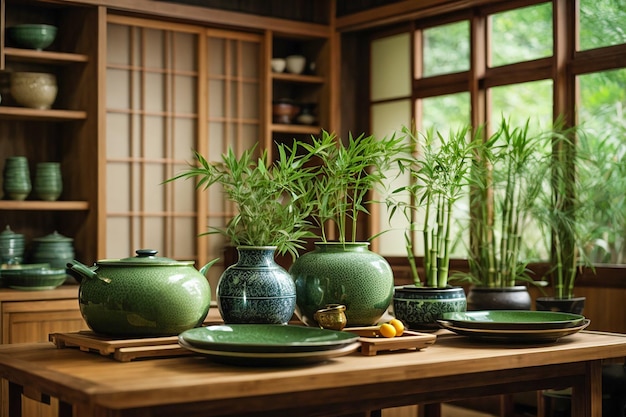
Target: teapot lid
{"points": [[53, 238], [145, 257]]}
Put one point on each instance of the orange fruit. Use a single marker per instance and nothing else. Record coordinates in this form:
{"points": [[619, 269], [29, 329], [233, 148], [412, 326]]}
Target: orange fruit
{"points": [[387, 330], [398, 325]]}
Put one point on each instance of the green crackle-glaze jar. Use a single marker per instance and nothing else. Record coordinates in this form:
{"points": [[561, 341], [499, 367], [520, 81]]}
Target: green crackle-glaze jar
{"points": [[142, 296], [343, 273], [256, 290]]}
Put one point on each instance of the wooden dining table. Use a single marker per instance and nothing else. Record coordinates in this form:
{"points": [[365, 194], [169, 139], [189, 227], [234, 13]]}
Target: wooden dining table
{"points": [[455, 367]]}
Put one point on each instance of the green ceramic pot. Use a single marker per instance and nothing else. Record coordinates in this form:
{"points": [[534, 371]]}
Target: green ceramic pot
{"points": [[419, 308], [144, 295], [348, 274], [256, 290]]}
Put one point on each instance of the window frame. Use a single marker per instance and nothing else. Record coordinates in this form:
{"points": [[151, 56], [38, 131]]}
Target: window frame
{"points": [[563, 67]]}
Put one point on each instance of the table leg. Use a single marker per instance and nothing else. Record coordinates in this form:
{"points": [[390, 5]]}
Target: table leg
{"points": [[65, 409], [15, 400], [587, 392], [432, 410]]}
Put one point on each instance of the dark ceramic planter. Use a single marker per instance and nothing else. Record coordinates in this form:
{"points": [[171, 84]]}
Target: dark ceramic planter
{"points": [[419, 308], [256, 290], [574, 305], [506, 298]]}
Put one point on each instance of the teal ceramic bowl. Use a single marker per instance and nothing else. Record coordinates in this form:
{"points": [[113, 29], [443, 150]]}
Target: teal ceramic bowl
{"points": [[34, 277], [33, 36]]}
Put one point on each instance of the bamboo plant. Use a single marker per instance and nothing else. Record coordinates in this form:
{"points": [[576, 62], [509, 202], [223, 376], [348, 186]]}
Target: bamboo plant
{"points": [[347, 174], [440, 176], [507, 181], [272, 198], [564, 209]]}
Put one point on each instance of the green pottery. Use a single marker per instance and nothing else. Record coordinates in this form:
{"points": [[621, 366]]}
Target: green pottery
{"points": [[343, 273], [144, 295], [33, 36], [419, 308], [55, 249], [256, 290]]}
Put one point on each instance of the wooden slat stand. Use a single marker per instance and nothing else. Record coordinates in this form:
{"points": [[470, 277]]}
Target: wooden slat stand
{"points": [[372, 344], [123, 350]]}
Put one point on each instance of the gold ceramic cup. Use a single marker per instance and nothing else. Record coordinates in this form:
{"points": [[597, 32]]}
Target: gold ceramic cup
{"points": [[332, 317]]}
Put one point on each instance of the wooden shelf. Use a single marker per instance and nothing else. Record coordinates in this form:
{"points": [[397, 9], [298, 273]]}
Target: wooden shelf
{"points": [[298, 78], [44, 205], [23, 113], [49, 57], [296, 129]]}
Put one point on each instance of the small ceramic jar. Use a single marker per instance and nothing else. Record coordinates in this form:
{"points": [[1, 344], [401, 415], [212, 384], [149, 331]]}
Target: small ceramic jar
{"points": [[55, 249]]}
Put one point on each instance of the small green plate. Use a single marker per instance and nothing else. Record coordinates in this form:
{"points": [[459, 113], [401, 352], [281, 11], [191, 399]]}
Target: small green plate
{"points": [[265, 338], [513, 320]]}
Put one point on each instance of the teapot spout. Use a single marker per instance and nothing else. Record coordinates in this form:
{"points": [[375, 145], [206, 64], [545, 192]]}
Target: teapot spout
{"points": [[84, 271], [206, 267]]}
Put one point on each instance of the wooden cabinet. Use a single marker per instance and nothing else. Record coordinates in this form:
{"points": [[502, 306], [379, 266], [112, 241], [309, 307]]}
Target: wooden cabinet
{"points": [[66, 133], [30, 316], [309, 91]]}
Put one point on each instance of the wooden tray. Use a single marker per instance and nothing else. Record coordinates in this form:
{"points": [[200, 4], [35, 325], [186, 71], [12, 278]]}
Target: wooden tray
{"points": [[123, 350], [372, 344]]}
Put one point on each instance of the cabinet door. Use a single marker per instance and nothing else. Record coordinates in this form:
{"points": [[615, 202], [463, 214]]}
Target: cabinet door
{"points": [[32, 321], [173, 89]]}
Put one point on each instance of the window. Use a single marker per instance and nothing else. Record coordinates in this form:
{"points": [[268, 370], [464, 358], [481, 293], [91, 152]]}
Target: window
{"points": [[533, 60]]}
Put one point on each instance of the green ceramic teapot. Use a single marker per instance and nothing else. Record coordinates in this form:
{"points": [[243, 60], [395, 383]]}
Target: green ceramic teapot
{"points": [[141, 296]]}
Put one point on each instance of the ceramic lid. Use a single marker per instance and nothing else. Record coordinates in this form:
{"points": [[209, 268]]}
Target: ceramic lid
{"points": [[145, 257], [10, 234], [53, 237]]}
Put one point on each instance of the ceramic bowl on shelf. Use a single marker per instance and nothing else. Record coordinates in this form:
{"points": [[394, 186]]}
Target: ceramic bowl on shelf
{"points": [[278, 64], [36, 90], [33, 36], [295, 64], [33, 277], [284, 111]]}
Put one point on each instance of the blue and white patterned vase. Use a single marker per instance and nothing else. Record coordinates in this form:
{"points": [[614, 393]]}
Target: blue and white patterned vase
{"points": [[256, 289], [343, 273], [419, 308]]}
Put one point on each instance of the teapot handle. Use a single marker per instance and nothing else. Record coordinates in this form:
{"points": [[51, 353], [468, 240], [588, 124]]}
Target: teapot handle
{"points": [[85, 272]]}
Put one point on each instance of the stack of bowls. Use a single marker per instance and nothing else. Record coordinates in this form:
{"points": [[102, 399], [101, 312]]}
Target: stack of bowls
{"points": [[48, 183], [16, 178], [54, 249], [11, 247], [33, 36], [36, 90]]}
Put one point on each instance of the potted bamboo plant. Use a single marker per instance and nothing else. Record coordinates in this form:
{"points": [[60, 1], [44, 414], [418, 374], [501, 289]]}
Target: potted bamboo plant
{"points": [[440, 176], [509, 180], [565, 214], [341, 269], [272, 208]]}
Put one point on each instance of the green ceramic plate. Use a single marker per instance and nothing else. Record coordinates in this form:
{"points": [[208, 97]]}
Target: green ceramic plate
{"points": [[515, 336], [513, 320], [265, 338], [272, 359]]}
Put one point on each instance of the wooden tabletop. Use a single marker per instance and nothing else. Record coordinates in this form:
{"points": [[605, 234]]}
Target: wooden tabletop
{"points": [[454, 367]]}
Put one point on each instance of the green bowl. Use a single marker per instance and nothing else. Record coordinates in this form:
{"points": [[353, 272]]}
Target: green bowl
{"points": [[33, 277], [33, 36]]}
